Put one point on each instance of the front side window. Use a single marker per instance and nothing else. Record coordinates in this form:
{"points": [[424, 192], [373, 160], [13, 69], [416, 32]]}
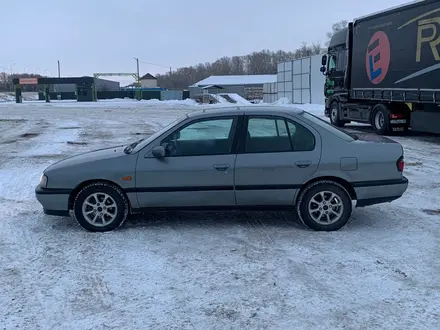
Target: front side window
{"points": [[266, 135], [332, 63], [202, 138]]}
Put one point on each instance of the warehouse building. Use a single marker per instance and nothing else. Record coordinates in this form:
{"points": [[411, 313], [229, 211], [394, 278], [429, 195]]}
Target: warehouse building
{"points": [[248, 86], [300, 81], [101, 85]]}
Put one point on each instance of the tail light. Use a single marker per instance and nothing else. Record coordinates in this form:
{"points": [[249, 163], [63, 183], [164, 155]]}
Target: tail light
{"points": [[400, 164], [397, 116]]}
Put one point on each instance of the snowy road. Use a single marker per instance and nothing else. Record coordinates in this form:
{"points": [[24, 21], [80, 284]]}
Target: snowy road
{"points": [[205, 271]]}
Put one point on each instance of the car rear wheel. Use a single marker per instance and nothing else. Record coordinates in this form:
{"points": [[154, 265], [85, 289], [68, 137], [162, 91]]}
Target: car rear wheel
{"points": [[100, 207], [324, 206]]}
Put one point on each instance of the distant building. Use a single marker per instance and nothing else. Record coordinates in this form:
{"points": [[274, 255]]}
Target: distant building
{"points": [[101, 85], [248, 86], [148, 81]]}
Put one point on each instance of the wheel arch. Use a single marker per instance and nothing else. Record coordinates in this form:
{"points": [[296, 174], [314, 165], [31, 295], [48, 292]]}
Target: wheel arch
{"points": [[344, 183], [339, 97], [83, 184]]}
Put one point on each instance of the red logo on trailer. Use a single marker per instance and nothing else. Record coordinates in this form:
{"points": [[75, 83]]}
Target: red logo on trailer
{"points": [[378, 57]]}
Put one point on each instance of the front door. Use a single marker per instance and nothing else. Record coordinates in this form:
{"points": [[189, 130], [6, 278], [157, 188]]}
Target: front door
{"points": [[278, 156], [198, 170]]}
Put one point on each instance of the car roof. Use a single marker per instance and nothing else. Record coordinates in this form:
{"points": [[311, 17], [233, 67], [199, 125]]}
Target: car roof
{"points": [[247, 109]]}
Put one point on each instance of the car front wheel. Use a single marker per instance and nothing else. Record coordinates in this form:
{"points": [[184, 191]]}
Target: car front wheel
{"points": [[100, 207], [324, 206]]}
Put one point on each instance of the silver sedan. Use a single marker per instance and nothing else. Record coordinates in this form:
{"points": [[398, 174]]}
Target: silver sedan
{"points": [[230, 158]]}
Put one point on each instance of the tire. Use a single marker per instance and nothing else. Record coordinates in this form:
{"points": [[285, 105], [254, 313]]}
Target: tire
{"points": [[335, 114], [117, 207], [380, 120], [310, 199]]}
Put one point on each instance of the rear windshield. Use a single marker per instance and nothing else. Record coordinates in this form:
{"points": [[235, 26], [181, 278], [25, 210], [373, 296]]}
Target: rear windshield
{"points": [[329, 127]]}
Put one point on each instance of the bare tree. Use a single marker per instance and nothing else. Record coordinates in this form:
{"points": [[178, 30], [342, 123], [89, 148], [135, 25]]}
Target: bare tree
{"points": [[261, 63], [336, 27], [237, 65], [317, 48]]}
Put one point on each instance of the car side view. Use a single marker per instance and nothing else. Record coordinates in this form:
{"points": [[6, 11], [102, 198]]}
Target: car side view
{"points": [[230, 158]]}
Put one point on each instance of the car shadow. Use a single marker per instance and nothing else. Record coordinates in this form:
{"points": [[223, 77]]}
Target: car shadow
{"points": [[215, 219], [268, 220], [420, 136]]}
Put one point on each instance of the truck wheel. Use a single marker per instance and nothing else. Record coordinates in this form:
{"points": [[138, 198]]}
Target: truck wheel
{"points": [[324, 206], [335, 116], [380, 119]]}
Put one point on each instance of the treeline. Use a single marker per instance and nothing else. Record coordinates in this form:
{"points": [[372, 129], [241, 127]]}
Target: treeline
{"points": [[262, 62]]}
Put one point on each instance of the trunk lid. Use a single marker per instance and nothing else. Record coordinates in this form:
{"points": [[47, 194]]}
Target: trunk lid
{"points": [[373, 138]]}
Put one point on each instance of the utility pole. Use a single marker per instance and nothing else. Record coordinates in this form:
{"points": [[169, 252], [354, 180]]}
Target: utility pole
{"points": [[138, 83], [59, 71], [170, 71]]}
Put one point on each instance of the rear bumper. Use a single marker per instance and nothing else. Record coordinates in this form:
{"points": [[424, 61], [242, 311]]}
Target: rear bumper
{"points": [[54, 201], [377, 192]]}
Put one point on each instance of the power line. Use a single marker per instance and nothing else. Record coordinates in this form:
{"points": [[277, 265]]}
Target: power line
{"points": [[163, 66]]}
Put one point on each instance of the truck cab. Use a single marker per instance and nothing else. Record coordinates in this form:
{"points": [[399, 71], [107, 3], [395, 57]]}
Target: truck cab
{"points": [[335, 66]]}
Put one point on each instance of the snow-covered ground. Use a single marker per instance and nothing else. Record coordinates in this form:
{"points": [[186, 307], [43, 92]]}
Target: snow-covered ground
{"points": [[205, 270], [10, 97]]}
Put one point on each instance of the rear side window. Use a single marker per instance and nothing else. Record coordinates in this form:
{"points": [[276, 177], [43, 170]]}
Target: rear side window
{"points": [[302, 139], [273, 134]]}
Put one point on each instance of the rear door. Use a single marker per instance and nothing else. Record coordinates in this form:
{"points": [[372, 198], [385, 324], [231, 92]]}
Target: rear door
{"points": [[198, 169], [278, 155]]}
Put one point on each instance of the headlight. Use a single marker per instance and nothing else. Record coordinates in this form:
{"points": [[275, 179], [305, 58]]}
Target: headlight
{"points": [[43, 180]]}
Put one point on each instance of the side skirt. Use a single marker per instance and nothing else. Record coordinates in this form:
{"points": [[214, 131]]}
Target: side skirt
{"points": [[214, 208]]}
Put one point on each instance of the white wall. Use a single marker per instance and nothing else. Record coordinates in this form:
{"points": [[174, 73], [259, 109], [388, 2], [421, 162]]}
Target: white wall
{"points": [[270, 94], [301, 81], [317, 81], [148, 83]]}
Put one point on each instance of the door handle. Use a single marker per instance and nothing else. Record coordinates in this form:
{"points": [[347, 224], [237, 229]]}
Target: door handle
{"points": [[303, 163], [221, 167]]}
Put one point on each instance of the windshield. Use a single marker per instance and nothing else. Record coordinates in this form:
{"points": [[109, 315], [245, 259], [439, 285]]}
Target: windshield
{"points": [[329, 127], [138, 145]]}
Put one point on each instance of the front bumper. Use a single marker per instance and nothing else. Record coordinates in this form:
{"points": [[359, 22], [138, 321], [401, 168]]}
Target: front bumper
{"points": [[54, 201], [377, 192]]}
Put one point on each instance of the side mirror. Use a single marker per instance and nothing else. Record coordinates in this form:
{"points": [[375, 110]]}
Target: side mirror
{"points": [[159, 152], [324, 60], [322, 69]]}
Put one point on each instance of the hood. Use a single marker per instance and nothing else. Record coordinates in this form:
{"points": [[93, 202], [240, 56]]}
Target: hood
{"points": [[90, 156]]}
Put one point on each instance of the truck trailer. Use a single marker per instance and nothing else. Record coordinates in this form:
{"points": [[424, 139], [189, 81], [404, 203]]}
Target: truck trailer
{"points": [[384, 70]]}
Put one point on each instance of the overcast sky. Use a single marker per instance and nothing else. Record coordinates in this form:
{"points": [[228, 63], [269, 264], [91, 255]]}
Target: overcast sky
{"points": [[90, 36]]}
